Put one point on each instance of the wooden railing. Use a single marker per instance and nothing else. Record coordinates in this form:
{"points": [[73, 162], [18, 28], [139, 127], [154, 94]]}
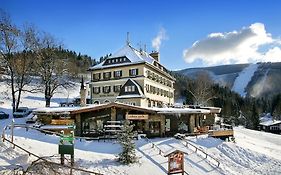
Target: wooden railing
{"points": [[42, 158], [153, 145], [187, 144]]}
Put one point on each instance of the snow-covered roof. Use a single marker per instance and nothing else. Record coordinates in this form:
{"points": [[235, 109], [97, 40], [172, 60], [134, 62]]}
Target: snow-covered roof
{"points": [[175, 150], [166, 110], [134, 55], [270, 122], [181, 111], [130, 96]]}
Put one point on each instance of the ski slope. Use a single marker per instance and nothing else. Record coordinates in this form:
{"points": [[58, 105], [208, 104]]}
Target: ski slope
{"points": [[243, 79]]}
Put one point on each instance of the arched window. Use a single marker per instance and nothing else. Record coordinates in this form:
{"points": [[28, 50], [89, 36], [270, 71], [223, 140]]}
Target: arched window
{"points": [[106, 101], [96, 102]]}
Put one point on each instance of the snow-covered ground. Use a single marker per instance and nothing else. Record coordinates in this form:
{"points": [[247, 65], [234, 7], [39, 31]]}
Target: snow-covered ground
{"points": [[253, 153], [243, 79]]}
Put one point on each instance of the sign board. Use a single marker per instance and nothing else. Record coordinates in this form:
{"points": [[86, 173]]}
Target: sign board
{"points": [[66, 149], [176, 163], [137, 116]]}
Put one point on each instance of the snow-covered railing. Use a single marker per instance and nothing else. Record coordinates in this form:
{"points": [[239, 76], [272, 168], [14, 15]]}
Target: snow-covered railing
{"points": [[153, 145], [202, 151]]}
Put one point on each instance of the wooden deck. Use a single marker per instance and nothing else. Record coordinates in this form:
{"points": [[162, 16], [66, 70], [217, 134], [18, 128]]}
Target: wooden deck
{"points": [[221, 133]]}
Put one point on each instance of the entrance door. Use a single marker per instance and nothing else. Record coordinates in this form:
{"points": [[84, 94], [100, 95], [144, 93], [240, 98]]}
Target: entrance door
{"points": [[154, 128], [138, 125]]}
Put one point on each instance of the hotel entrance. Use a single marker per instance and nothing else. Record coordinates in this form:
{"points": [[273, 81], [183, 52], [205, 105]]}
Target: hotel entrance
{"points": [[138, 126], [138, 120]]}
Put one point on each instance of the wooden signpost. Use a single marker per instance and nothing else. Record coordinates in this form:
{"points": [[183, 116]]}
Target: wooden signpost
{"points": [[175, 162]]}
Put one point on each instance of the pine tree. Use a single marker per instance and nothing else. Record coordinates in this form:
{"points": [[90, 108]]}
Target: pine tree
{"points": [[125, 139]]}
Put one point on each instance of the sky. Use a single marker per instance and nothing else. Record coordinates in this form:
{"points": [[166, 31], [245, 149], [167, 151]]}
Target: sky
{"points": [[187, 33]]}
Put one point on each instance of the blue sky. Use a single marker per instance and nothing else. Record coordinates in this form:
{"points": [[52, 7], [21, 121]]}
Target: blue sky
{"points": [[99, 27]]}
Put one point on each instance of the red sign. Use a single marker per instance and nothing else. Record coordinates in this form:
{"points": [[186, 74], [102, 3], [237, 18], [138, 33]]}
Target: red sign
{"points": [[176, 163]]}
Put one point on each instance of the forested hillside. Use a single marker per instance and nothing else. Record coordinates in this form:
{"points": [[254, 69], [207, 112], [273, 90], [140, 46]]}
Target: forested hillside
{"points": [[235, 109], [263, 84]]}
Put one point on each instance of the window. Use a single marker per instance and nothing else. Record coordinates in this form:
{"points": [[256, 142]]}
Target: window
{"points": [[129, 88], [106, 89], [96, 102], [149, 74], [133, 103], [106, 75], [133, 72], [117, 74], [96, 76], [147, 87], [96, 90], [154, 127], [106, 101], [153, 89], [117, 88]]}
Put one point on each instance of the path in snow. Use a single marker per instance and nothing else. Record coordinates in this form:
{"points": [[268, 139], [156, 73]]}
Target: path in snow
{"points": [[194, 163], [243, 79]]}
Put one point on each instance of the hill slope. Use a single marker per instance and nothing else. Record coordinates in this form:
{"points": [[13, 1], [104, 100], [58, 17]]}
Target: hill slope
{"points": [[257, 80]]}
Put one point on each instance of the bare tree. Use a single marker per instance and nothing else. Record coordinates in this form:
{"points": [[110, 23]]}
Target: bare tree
{"points": [[201, 89], [8, 46], [16, 57], [51, 67]]}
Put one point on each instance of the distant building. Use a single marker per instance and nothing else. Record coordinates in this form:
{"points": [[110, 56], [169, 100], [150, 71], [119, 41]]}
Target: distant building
{"points": [[273, 126], [133, 77]]}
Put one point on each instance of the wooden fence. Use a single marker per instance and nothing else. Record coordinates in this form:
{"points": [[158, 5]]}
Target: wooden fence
{"points": [[42, 158]]}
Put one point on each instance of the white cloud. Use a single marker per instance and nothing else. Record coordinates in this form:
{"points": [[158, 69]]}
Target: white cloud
{"points": [[235, 47], [157, 41]]}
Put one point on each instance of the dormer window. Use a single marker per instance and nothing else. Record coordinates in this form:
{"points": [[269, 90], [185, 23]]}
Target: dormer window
{"points": [[133, 72], [129, 88]]}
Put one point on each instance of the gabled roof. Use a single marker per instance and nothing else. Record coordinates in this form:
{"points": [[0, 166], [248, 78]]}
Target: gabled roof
{"points": [[137, 94], [270, 122], [134, 55]]}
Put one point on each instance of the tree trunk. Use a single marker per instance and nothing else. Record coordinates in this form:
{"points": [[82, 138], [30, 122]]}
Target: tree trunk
{"points": [[13, 91], [48, 101], [48, 95]]}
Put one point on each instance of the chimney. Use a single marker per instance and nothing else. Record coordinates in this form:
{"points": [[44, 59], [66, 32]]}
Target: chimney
{"points": [[155, 55], [82, 94]]}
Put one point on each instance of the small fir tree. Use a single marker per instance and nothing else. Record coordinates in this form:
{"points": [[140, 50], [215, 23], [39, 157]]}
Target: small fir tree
{"points": [[125, 139]]}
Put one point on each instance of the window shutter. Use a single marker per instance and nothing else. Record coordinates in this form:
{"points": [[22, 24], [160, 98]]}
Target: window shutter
{"points": [[130, 72], [120, 73], [137, 71]]}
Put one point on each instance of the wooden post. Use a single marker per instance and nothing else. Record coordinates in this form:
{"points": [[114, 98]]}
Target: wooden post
{"points": [[13, 122], [72, 159], [62, 159]]}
